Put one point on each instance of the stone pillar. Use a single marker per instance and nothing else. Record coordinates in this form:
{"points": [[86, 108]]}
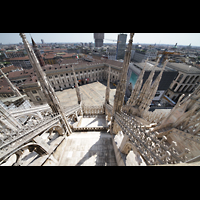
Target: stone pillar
{"points": [[121, 87], [137, 87], [107, 88], [77, 88], [46, 87]]}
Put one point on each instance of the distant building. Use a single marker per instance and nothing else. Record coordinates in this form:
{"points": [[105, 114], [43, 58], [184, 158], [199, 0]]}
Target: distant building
{"points": [[42, 41], [51, 58], [21, 62], [121, 46], [151, 54], [111, 52], [185, 81], [90, 45], [142, 54], [61, 77], [165, 82], [139, 56], [14, 53], [98, 37], [177, 79]]}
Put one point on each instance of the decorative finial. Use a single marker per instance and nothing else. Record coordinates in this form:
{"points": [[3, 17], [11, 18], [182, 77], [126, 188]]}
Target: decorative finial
{"points": [[23, 36], [131, 36]]}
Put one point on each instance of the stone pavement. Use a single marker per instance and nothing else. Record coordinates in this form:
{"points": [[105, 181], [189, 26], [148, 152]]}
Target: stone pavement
{"points": [[93, 121], [91, 148], [86, 149], [92, 94]]}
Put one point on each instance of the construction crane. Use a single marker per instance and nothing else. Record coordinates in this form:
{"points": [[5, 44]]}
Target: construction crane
{"points": [[113, 40], [165, 54]]}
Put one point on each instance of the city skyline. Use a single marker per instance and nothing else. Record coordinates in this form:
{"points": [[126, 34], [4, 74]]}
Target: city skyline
{"points": [[141, 38]]}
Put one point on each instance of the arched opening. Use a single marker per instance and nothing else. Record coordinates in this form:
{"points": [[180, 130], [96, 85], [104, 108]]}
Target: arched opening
{"points": [[186, 78], [175, 85], [190, 79], [180, 77], [176, 99], [195, 79], [30, 147], [183, 90], [180, 87], [189, 88]]}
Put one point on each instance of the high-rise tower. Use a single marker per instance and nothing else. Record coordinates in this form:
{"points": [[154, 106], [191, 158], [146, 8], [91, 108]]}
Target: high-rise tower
{"points": [[121, 46], [98, 37]]}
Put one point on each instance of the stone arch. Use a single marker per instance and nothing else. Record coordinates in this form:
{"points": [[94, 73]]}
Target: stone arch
{"points": [[31, 146], [57, 128], [30, 114], [127, 147]]}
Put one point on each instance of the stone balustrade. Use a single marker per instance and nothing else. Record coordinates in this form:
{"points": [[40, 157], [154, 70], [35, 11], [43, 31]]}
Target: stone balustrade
{"points": [[93, 110]]}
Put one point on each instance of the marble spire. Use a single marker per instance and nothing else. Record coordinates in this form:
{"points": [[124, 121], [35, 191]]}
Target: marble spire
{"points": [[47, 89], [108, 88], [77, 88], [137, 87]]}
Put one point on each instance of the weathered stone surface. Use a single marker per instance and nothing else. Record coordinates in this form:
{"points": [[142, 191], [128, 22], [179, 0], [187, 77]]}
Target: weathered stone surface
{"points": [[87, 149]]}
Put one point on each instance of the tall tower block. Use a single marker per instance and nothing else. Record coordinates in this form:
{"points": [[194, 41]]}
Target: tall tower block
{"points": [[98, 37], [121, 46]]}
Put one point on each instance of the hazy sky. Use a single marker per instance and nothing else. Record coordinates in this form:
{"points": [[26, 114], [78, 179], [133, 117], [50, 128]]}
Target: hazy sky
{"points": [[152, 38]]}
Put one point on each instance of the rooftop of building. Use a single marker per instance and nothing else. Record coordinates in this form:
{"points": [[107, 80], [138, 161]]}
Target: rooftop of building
{"points": [[65, 64], [150, 65], [169, 67], [81, 63], [183, 67], [52, 55], [20, 58], [22, 73], [8, 69], [32, 79], [4, 86]]}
